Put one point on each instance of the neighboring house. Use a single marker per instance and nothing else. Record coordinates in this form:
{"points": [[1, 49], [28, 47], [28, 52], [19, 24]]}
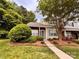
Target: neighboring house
{"points": [[71, 29]]}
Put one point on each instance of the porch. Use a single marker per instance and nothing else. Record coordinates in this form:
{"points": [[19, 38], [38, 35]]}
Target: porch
{"points": [[72, 32], [38, 29]]}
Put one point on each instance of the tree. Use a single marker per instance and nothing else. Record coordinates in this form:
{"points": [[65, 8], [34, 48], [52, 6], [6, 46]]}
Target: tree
{"points": [[29, 16], [59, 11], [9, 17], [11, 14]]}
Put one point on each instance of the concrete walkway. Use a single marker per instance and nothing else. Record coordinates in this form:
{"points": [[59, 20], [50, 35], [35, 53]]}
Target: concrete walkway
{"points": [[57, 51]]}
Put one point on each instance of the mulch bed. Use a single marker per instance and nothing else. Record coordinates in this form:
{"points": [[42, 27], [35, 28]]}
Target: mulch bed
{"points": [[38, 43], [62, 43]]}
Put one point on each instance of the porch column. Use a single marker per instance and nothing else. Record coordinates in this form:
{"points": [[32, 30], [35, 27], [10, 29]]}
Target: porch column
{"points": [[46, 34], [65, 33], [39, 31]]}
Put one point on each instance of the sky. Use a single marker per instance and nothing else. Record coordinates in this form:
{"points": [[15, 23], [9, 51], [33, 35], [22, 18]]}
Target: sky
{"points": [[30, 5]]}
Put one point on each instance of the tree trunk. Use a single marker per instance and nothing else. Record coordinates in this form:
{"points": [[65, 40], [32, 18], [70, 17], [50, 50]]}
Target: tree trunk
{"points": [[59, 27], [60, 35]]}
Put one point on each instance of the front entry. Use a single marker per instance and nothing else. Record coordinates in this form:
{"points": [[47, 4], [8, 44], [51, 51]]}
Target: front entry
{"points": [[42, 33]]}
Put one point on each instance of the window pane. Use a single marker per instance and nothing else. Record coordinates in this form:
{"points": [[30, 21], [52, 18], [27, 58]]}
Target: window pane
{"points": [[52, 33]]}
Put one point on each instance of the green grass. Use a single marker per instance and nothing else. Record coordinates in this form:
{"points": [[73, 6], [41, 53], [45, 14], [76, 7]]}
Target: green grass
{"points": [[24, 52], [72, 51]]}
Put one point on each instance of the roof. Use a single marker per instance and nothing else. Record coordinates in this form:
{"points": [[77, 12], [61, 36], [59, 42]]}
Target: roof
{"points": [[67, 28], [71, 28], [35, 24]]}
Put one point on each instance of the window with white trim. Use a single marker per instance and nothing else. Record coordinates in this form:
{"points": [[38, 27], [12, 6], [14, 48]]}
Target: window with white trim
{"points": [[34, 32], [52, 32]]}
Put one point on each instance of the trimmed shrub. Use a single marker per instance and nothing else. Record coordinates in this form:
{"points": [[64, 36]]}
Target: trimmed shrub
{"points": [[19, 33], [32, 39], [40, 38]]}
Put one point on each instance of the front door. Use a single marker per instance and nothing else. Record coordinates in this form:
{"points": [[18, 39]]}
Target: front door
{"points": [[42, 33]]}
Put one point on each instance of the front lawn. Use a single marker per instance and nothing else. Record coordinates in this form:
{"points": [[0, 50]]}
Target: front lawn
{"points": [[24, 52], [71, 50]]}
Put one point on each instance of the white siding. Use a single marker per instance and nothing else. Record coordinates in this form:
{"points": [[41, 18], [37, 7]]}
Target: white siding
{"points": [[34, 32], [51, 33]]}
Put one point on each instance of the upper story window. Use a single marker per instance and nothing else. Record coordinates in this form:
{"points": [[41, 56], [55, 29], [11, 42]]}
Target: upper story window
{"points": [[69, 23], [72, 23]]}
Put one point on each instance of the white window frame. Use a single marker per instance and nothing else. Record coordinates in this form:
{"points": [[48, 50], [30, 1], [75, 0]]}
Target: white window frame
{"points": [[53, 32]]}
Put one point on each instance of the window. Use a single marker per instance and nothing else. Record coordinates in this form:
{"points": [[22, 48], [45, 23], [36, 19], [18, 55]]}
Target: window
{"points": [[52, 33], [55, 34], [34, 32]]}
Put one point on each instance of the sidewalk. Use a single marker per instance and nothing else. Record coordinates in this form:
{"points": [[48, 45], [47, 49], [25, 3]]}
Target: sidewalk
{"points": [[57, 51]]}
